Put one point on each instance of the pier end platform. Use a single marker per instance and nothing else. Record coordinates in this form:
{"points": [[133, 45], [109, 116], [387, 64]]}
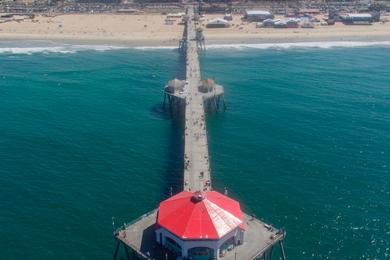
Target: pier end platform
{"points": [[139, 239]]}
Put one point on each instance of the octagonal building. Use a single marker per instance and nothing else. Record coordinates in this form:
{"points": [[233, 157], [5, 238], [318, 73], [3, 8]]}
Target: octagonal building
{"points": [[199, 224]]}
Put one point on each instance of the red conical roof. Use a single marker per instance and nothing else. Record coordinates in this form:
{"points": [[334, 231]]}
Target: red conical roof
{"points": [[194, 215]]}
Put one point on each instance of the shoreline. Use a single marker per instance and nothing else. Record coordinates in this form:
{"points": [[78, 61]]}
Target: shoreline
{"points": [[211, 43]]}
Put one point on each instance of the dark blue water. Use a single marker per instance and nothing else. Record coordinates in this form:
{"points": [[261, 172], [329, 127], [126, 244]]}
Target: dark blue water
{"points": [[304, 145]]}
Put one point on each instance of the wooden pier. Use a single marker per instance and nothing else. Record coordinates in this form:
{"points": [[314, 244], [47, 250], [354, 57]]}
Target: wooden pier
{"points": [[138, 237], [196, 155]]}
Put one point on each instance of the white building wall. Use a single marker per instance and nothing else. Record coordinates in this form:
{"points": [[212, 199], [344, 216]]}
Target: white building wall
{"points": [[213, 244]]}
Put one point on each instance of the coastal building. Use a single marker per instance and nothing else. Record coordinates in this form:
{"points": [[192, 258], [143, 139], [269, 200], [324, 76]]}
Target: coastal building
{"points": [[217, 23], [311, 11], [291, 13], [200, 225], [257, 15], [358, 19], [176, 15]]}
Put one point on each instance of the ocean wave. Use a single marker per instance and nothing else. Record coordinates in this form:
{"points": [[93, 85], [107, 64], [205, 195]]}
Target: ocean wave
{"points": [[145, 48], [322, 45], [31, 50], [57, 49], [287, 45], [71, 48]]}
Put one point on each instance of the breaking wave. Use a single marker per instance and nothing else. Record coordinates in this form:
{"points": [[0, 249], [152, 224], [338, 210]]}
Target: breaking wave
{"points": [[64, 48], [33, 47], [322, 45], [145, 48]]}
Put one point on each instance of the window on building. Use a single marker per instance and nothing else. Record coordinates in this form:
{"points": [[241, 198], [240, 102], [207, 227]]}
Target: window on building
{"points": [[171, 245]]}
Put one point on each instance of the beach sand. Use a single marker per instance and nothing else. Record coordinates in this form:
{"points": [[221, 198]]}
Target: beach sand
{"points": [[151, 30]]}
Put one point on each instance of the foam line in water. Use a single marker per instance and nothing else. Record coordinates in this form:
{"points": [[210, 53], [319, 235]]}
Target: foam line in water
{"points": [[56, 49], [29, 48], [154, 48], [322, 45]]}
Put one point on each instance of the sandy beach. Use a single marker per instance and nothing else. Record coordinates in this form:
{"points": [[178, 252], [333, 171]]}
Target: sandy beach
{"points": [[151, 30]]}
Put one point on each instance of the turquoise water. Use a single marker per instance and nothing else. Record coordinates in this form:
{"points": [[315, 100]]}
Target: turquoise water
{"points": [[304, 145]]}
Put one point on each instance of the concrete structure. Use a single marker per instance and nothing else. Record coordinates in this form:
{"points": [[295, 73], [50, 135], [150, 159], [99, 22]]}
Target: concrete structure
{"points": [[197, 223]]}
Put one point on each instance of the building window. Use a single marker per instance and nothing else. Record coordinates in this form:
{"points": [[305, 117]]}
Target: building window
{"points": [[227, 246], [201, 253], [171, 245]]}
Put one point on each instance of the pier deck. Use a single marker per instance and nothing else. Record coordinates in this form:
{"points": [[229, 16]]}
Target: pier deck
{"points": [[196, 155], [141, 238], [218, 91]]}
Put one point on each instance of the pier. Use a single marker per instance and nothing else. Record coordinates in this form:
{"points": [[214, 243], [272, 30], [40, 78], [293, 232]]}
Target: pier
{"points": [[196, 155], [226, 232]]}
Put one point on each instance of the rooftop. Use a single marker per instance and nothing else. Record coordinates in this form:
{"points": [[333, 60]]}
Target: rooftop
{"points": [[257, 12], [196, 215]]}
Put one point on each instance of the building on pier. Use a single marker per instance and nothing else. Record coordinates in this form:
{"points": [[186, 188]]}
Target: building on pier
{"points": [[194, 224], [207, 85], [175, 95], [175, 85]]}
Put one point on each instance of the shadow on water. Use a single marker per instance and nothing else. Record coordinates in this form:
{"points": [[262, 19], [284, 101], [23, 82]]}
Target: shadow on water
{"points": [[181, 68], [158, 111], [174, 168], [173, 181]]}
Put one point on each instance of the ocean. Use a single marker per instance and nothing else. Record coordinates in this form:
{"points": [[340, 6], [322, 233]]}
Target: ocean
{"points": [[85, 145]]}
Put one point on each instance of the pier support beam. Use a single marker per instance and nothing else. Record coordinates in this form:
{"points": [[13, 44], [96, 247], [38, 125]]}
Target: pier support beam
{"points": [[127, 252], [270, 253], [116, 250], [282, 250]]}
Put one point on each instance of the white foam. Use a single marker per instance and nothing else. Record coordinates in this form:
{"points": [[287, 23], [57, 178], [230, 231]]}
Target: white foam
{"points": [[69, 48], [322, 45], [98, 47], [287, 45], [57, 49], [30, 50], [145, 48]]}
